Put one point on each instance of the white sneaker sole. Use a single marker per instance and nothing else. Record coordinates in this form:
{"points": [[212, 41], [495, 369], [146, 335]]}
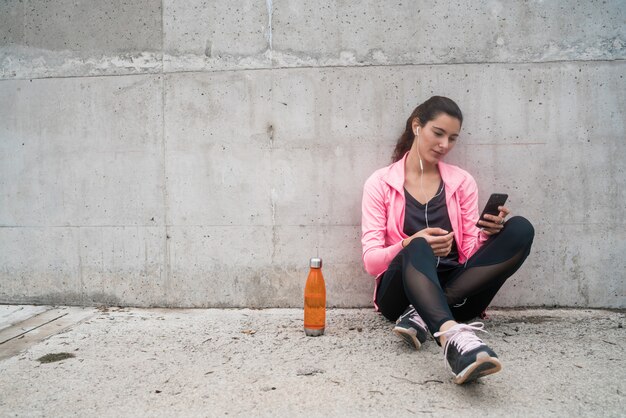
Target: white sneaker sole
{"points": [[483, 366], [409, 336]]}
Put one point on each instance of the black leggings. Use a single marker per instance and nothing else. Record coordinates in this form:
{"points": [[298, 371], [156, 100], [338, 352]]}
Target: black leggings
{"points": [[459, 294]]}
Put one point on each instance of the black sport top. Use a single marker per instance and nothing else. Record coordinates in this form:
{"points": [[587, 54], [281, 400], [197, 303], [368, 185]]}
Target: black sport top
{"points": [[415, 220]]}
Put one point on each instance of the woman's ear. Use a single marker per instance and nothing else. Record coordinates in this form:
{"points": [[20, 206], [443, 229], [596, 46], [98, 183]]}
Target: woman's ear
{"points": [[416, 127]]}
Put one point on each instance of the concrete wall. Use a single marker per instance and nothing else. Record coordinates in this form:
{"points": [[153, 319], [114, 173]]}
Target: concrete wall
{"points": [[198, 153]]}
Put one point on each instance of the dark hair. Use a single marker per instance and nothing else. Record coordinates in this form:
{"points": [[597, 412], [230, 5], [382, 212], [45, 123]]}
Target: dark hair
{"points": [[424, 113]]}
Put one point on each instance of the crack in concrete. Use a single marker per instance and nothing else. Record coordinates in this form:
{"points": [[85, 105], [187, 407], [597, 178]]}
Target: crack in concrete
{"points": [[270, 11]]}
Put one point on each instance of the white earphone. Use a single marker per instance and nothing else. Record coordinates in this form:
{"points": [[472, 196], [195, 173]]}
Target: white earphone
{"points": [[417, 134]]}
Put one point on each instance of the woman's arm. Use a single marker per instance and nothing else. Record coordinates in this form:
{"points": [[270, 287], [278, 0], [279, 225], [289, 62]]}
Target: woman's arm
{"points": [[474, 237], [376, 257], [468, 203]]}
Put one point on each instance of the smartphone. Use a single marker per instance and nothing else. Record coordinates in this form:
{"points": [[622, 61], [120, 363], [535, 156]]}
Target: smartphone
{"points": [[495, 200]]}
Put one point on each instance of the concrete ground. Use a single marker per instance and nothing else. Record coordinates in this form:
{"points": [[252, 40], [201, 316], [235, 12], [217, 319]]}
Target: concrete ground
{"points": [[241, 362]]}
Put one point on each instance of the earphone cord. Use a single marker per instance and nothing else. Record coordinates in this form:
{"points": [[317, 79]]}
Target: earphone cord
{"points": [[426, 197]]}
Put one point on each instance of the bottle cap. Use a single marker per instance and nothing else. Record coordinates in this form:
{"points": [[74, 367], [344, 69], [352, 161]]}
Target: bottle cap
{"points": [[316, 262]]}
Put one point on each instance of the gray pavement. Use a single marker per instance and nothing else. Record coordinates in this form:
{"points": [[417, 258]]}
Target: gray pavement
{"points": [[242, 362]]}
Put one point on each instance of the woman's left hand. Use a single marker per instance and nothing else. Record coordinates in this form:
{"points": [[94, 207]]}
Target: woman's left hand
{"points": [[494, 224]]}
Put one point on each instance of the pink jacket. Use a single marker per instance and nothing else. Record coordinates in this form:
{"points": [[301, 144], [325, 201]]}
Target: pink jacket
{"points": [[383, 206]]}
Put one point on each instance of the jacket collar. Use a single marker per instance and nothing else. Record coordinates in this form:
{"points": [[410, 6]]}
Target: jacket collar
{"points": [[451, 176], [394, 176]]}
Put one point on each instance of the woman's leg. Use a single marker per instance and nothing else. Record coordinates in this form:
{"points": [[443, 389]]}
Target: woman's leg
{"points": [[472, 289], [412, 279]]}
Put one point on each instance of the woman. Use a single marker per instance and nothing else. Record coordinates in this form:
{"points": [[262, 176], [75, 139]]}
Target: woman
{"points": [[434, 267]]}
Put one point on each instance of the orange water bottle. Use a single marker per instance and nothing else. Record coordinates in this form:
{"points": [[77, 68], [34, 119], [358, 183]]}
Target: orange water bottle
{"points": [[315, 300]]}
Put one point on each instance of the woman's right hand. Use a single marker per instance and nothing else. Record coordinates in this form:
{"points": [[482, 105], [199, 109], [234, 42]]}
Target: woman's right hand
{"points": [[439, 240]]}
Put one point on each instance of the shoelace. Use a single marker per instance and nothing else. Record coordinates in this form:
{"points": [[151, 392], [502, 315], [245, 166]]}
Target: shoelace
{"points": [[415, 317], [463, 337]]}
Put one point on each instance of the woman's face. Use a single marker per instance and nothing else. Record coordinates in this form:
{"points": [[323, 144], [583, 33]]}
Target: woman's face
{"points": [[437, 137]]}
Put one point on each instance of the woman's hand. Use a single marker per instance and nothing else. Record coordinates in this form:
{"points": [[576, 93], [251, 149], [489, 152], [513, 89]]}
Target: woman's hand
{"points": [[494, 224], [439, 240]]}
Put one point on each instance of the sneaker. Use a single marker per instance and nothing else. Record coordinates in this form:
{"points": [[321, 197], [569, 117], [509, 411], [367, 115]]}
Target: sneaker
{"points": [[412, 328], [468, 357]]}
